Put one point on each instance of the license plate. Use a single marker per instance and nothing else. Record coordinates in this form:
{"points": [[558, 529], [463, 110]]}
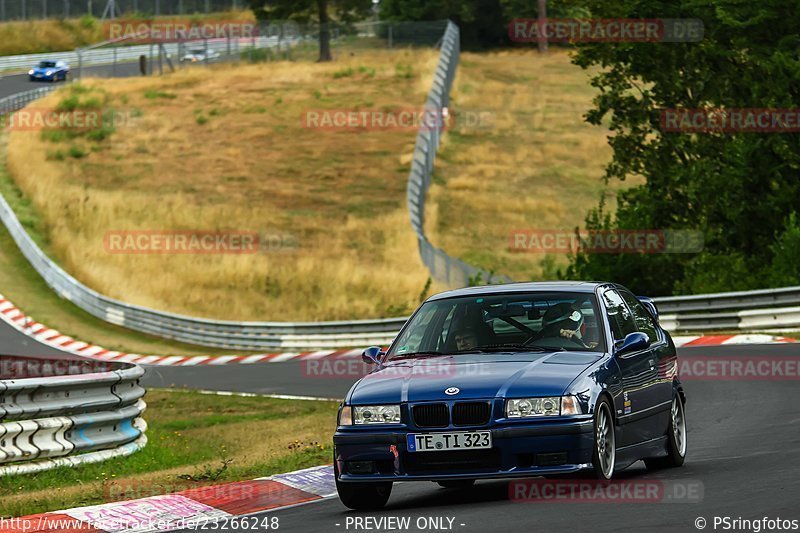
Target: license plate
{"points": [[440, 442]]}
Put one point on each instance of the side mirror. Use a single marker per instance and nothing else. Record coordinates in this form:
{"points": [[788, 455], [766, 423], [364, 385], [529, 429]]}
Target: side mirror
{"points": [[633, 342], [650, 305], [373, 355]]}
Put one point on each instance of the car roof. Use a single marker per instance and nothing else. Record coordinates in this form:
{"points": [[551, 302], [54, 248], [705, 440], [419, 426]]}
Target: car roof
{"points": [[530, 286]]}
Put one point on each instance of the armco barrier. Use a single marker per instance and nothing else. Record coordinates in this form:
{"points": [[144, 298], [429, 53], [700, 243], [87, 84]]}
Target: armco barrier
{"points": [[450, 270], [45, 419]]}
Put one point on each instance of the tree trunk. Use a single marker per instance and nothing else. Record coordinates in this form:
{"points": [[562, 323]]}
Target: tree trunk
{"points": [[324, 32], [542, 21]]}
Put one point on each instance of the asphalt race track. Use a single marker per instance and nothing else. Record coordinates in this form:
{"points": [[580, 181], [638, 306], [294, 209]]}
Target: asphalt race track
{"points": [[744, 454], [17, 83], [744, 450]]}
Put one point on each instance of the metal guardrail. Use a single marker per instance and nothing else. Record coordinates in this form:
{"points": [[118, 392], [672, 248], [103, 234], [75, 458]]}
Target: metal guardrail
{"points": [[121, 54], [17, 101], [45, 419], [450, 270], [773, 309]]}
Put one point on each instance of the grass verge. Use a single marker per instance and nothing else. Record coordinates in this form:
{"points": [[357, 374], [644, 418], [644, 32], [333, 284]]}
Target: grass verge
{"points": [[521, 158], [194, 440]]}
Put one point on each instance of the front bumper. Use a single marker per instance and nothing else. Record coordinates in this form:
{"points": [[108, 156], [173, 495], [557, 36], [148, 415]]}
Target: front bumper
{"points": [[518, 450]]}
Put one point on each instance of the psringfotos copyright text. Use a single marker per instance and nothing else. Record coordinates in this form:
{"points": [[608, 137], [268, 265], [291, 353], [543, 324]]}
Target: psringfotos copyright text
{"points": [[755, 525]]}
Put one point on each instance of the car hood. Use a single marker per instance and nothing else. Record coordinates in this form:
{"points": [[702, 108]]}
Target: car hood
{"points": [[476, 376], [40, 70]]}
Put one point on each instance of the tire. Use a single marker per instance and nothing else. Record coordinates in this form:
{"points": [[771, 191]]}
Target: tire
{"points": [[676, 439], [363, 496], [604, 454], [456, 483]]}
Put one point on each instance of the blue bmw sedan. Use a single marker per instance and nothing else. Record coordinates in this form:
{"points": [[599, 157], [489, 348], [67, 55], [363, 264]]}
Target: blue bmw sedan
{"points": [[516, 380]]}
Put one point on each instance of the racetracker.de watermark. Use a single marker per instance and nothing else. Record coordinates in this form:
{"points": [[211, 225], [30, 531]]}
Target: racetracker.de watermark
{"points": [[13, 367], [127, 489], [74, 120], [744, 368], [349, 368], [657, 30], [605, 491], [405, 119], [195, 242], [733, 120], [606, 241], [168, 31]]}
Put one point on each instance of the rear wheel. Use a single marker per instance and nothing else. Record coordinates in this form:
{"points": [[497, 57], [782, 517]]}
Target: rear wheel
{"points": [[676, 439], [456, 483], [362, 496]]}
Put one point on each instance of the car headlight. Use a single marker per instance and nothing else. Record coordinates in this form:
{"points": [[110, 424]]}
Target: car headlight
{"points": [[369, 414], [30, 72], [548, 406], [49, 73]]}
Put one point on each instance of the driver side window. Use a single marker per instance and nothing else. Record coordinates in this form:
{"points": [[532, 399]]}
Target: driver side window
{"points": [[644, 321], [619, 316]]}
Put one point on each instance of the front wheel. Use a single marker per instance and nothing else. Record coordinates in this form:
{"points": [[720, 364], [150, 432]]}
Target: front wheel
{"points": [[363, 496], [676, 439], [604, 455]]}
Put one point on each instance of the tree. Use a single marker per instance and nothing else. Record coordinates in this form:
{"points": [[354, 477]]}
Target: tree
{"points": [[318, 11], [739, 188]]}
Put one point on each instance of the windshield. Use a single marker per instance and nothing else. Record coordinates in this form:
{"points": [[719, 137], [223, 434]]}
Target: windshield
{"points": [[502, 323], [47, 64]]}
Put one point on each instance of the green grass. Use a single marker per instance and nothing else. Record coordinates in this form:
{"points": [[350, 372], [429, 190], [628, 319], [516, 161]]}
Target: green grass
{"points": [[231, 430]]}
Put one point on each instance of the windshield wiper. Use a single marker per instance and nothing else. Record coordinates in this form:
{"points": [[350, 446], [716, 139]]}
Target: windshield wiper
{"points": [[417, 355], [512, 348]]}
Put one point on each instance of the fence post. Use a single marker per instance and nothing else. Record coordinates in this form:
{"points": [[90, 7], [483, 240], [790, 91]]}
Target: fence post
{"points": [[390, 36], [3, 9]]}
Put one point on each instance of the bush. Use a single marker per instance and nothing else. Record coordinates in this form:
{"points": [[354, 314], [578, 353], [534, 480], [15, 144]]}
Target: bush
{"points": [[152, 94], [76, 152], [785, 266], [344, 73]]}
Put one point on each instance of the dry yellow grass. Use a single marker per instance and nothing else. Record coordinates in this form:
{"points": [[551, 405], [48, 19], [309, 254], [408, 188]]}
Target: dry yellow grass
{"points": [[530, 163], [224, 149]]}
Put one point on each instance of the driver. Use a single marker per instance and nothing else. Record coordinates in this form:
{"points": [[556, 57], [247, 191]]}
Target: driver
{"points": [[466, 339], [564, 320]]}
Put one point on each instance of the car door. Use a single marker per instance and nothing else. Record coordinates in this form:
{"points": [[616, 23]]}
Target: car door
{"points": [[639, 375], [664, 359]]}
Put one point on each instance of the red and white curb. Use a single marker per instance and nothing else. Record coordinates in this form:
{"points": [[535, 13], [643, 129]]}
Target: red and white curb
{"points": [[722, 340], [218, 507], [13, 316], [53, 338]]}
